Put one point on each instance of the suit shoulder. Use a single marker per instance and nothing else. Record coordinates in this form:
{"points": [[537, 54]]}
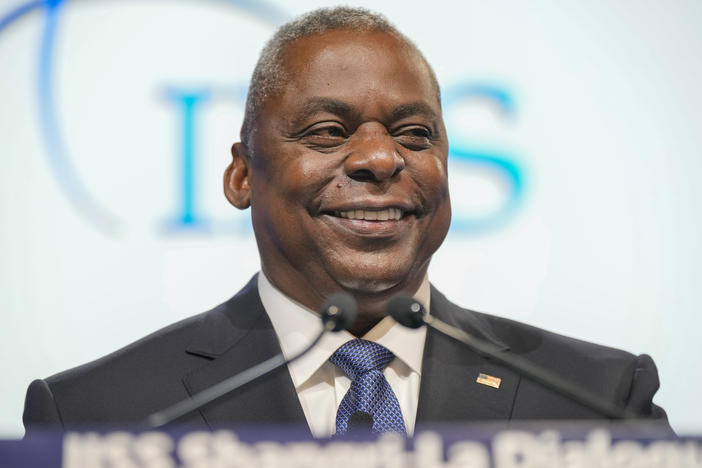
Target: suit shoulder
{"points": [[147, 375], [524, 338], [156, 349], [174, 346], [612, 374], [519, 337], [125, 385]]}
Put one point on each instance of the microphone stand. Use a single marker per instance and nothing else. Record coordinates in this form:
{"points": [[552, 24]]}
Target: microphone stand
{"points": [[411, 313], [200, 399], [338, 313], [527, 369]]}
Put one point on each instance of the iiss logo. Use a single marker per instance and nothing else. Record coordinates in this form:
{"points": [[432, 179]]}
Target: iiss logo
{"points": [[466, 156]]}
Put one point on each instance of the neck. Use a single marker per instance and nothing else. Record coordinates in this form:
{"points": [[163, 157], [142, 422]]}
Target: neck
{"points": [[372, 305], [370, 312]]}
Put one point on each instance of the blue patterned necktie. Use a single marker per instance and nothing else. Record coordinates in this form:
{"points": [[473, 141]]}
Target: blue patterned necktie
{"points": [[363, 361]]}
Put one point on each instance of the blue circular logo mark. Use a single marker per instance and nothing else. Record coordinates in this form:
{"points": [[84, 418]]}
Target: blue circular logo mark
{"points": [[55, 147]]}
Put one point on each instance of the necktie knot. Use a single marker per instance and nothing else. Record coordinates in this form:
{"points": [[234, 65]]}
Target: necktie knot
{"points": [[358, 357]]}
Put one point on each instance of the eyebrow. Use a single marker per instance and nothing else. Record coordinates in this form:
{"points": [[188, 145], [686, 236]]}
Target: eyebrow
{"points": [[413, 108], [320, 104]]}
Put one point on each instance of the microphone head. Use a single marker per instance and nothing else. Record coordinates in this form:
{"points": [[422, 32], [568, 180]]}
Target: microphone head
{"points": [[339, 312], [406, 310]]}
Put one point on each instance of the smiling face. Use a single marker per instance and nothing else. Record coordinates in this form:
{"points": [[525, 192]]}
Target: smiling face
{"points": [[347, 177]]}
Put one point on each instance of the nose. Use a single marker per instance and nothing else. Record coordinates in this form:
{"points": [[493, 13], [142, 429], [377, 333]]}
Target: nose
{"points": [[373, 157]]}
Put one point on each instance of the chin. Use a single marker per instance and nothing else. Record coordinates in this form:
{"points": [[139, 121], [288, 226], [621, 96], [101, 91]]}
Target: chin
{"points": [[379, 277], [368, 286], [372, 282]]}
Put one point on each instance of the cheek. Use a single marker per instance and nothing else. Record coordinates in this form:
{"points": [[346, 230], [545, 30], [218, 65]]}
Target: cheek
{"points": [[293, 182], [431, 177]]}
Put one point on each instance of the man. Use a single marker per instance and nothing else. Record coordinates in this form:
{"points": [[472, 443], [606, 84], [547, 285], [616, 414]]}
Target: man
{"points": [[342, 160]]}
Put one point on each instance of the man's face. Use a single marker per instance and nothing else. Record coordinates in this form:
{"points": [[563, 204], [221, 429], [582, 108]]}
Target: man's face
{"points": [[347, 176]]}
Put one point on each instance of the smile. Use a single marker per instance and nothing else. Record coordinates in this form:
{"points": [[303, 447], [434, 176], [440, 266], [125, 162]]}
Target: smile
{"points": [[388, 214]]}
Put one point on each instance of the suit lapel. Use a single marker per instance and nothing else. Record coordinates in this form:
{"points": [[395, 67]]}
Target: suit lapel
{"points": [[449, 390], [236, 336]]}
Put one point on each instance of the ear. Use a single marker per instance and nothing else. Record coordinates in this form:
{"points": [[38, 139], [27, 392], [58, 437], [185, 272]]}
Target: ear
{"points": [[237, 188]]}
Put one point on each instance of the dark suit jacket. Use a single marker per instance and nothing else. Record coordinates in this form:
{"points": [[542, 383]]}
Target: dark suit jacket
{"points": [[191, 355]]}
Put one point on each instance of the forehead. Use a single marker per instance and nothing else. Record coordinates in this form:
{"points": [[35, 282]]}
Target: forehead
{"points": [[343, 65]]}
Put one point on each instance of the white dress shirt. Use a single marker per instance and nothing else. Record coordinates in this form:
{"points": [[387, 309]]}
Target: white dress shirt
{"points": [[321, 385]]}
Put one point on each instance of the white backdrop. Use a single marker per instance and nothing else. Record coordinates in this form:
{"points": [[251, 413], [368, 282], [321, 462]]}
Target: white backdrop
{"points": [[575, 131]]}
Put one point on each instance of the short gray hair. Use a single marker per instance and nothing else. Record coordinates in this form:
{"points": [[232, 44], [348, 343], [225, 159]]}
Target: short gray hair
{"points": [[269, 73]]}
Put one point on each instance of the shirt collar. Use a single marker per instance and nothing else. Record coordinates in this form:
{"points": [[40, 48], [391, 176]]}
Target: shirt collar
{"points": [[296, 326]]}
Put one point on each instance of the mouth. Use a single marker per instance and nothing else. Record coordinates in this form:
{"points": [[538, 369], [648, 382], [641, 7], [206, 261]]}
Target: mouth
{"points": [[387, 214], [380, 222]]}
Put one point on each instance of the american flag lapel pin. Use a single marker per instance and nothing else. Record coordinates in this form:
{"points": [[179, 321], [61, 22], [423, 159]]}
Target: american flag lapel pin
{"points": [[489, 380]]}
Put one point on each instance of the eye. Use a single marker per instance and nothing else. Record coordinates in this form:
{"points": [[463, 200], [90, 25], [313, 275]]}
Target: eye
{"points": [[414, 137], [331, 132], [324, 135]]}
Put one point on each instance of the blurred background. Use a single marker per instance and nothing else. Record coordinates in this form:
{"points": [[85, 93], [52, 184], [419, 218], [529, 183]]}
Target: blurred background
{"points": [[575, 131]]}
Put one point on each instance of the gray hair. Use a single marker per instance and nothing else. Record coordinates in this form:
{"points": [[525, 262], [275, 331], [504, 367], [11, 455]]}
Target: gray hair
{"points": [[269, 73]]}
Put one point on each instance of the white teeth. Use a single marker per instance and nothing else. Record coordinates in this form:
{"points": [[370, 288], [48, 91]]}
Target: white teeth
{"points": [[382, 215]]}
